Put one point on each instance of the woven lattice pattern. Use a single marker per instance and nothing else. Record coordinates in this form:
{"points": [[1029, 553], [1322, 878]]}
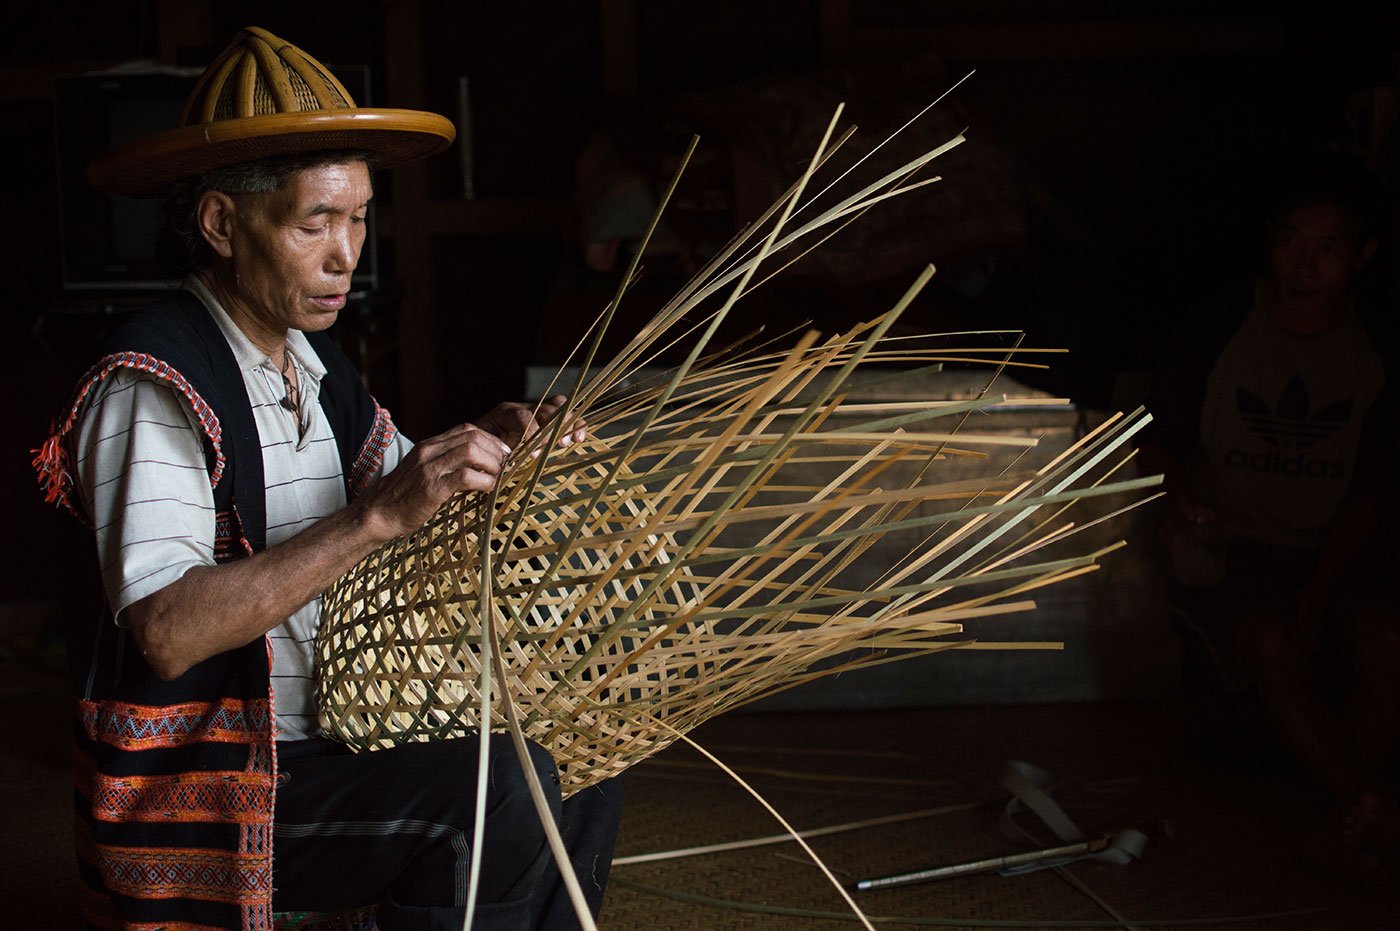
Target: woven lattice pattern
{"points": [[698, 552], [401, 670]]}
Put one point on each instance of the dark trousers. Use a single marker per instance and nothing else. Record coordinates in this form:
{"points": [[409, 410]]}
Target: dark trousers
{"points": [[393, 828]]}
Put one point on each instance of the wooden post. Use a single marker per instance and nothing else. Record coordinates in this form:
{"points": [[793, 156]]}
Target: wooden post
{"points": [[420, 382], [181, 23], [618, 25], [835, 31]]}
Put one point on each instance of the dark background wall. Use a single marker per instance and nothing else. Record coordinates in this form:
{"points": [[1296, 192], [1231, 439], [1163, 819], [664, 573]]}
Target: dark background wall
{"points": [[1129, 138]]}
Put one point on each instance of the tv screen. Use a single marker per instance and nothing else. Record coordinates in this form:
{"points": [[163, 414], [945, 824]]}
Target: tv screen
{"points": [[109, 242]]}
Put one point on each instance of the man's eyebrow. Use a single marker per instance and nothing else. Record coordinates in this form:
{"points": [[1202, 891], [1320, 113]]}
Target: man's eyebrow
{"points": [[317, 210]]}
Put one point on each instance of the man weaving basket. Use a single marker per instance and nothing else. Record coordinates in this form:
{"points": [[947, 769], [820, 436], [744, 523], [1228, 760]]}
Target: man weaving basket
{"points": [[232, 466]]}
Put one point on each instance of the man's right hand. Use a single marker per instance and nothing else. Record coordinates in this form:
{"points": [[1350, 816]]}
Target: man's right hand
{"points": [[465, 458]]}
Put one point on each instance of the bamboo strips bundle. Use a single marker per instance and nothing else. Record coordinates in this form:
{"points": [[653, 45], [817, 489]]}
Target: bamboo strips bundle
{"points": [[684, 560]]}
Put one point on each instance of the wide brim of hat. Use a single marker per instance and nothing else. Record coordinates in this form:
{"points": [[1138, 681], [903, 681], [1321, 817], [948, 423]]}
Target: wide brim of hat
{"points": [[149, 167]]}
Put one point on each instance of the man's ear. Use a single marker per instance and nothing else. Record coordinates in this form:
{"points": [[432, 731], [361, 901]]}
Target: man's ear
{"points": [[215, 215]]}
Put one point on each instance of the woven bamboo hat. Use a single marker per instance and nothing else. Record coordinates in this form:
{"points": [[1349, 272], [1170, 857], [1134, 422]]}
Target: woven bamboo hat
{"points": [[261, 97]]}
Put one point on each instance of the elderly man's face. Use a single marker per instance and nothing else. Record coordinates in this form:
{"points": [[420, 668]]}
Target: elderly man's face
{"points": [[294, 249]]}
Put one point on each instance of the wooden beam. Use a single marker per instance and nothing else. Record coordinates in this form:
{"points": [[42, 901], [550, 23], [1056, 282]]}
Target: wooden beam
{"points": [[20, 83], [974, 42], [469, 218]]}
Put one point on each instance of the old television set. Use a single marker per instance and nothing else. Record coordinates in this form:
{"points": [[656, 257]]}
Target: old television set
{"points": [[108, 242]]}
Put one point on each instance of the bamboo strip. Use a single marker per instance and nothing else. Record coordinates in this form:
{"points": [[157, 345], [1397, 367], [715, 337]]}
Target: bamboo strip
{"points": [[771, 839]]}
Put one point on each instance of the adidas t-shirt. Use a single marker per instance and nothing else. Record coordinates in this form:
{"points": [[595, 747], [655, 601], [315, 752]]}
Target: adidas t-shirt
{"points": [[1281, 426]]}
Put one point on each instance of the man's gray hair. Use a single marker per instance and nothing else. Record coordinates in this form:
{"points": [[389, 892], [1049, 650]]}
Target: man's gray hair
{"points": [[182, 247]]}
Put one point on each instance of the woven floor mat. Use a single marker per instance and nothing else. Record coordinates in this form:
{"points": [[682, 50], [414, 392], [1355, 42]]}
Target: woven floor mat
{"points": [[1239, 844], [1243, 842]]}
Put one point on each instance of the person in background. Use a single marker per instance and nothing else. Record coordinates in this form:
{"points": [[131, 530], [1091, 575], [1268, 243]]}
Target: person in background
{"points": [[1275, 434]]}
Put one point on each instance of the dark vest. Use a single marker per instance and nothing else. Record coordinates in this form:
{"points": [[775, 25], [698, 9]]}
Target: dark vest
{"points": [[176, 780]]}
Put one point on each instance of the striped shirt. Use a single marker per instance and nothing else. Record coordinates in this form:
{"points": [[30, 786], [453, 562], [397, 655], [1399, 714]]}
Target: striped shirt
{"points": [[144, 481]]}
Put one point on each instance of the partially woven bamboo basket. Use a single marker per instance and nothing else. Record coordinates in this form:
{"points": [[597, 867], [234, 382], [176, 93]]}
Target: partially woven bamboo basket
{"points": [[684, 561], [400, 662]]}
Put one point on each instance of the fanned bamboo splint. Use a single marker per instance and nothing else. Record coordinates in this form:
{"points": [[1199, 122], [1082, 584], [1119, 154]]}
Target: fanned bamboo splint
{"points": [[682, 561]]}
